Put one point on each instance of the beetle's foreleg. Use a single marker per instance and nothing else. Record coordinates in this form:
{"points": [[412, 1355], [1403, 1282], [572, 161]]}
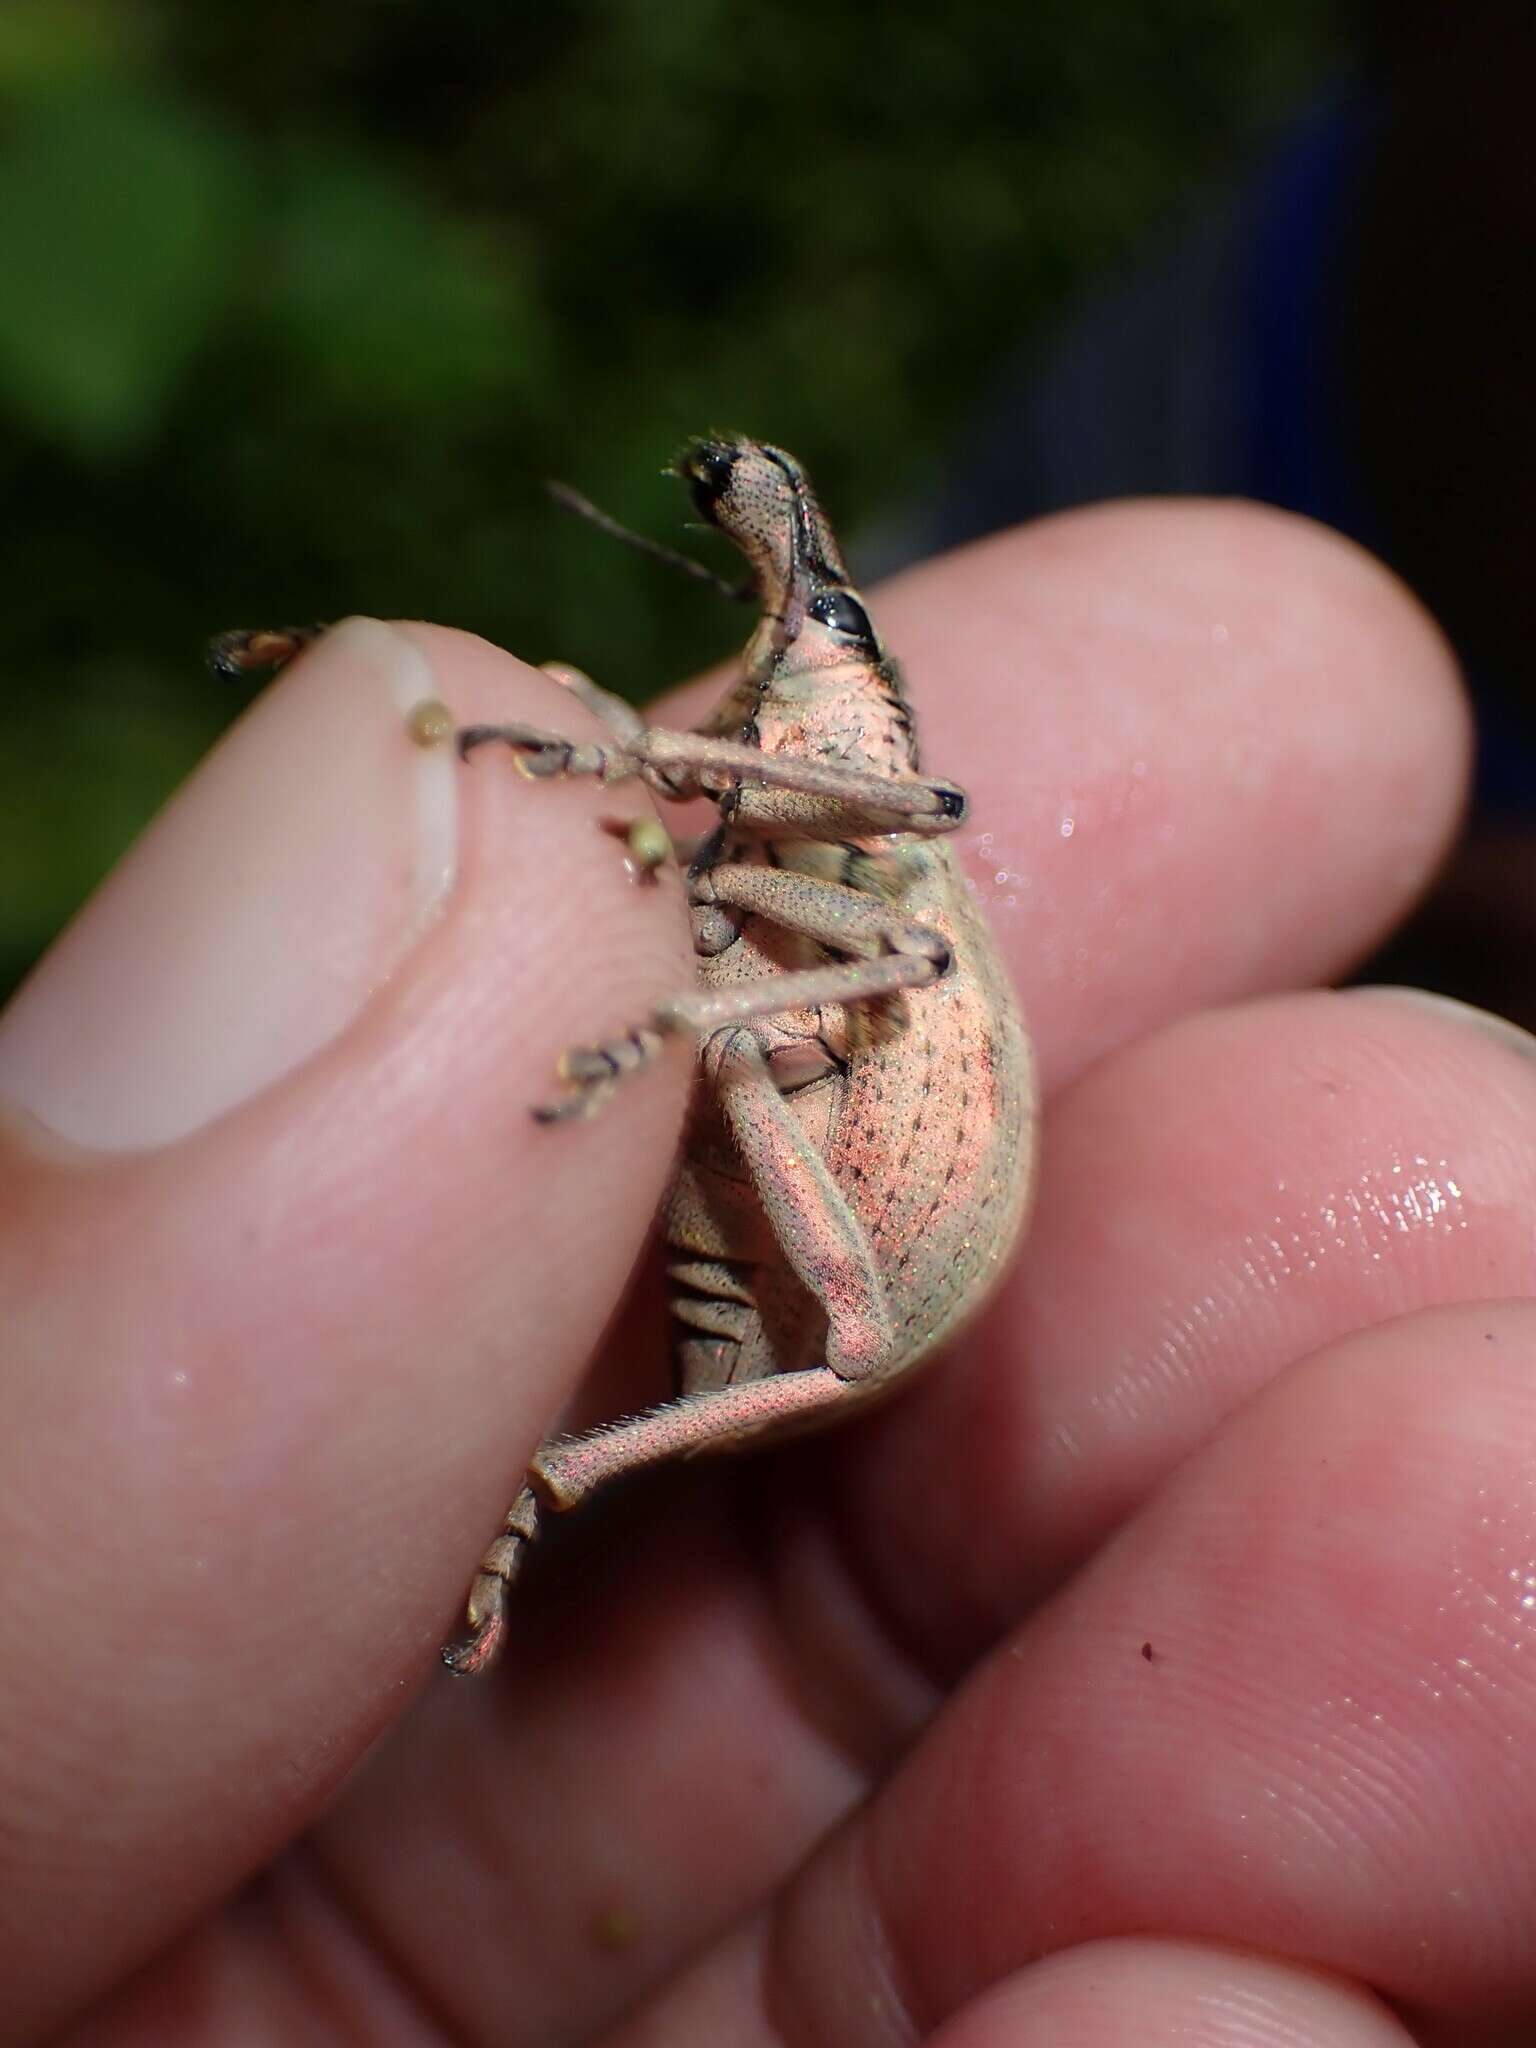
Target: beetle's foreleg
{"points": [[834, 800], [838, 800], [545, 755]]}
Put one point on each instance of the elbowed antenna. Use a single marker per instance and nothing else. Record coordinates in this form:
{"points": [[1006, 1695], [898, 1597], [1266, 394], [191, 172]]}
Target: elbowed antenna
{"points": [[573, 501]]}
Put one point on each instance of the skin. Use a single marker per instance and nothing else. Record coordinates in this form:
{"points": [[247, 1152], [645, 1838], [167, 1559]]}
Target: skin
{"points": [[805, 1754]]}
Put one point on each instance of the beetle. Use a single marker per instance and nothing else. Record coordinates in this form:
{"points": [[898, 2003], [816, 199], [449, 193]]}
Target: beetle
{"points": [[860, 1151]]}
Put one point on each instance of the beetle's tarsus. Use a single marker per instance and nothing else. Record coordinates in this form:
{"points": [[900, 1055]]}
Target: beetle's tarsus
{"points": [[582, 1102], [480, 1651], [486, 1608], [468, 737]]}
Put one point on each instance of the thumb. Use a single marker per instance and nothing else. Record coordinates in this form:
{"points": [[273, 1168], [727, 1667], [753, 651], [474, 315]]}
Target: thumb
{"points": [[290, 1281]]}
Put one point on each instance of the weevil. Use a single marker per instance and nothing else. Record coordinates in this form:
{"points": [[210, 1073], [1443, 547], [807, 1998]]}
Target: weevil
{"points": [[859, 1153]]}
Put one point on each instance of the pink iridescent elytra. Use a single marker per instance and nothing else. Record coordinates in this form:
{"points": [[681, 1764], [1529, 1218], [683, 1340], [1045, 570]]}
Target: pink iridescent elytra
{"points": [[860, 1150]]}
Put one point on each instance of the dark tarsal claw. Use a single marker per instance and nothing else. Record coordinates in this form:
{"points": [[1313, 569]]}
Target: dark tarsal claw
{"points": [[537, 754], [469, 1659], [468, 737], [479, 1651]]}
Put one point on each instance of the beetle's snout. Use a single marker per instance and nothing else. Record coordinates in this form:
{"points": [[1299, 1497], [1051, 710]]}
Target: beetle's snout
{"points": [[751, 493]]}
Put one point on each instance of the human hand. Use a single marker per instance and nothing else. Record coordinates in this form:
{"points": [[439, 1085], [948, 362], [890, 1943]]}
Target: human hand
{"points": [[839, 1742]]}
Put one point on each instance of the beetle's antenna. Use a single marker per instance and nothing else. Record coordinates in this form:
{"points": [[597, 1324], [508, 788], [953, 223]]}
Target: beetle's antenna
{"points": [[573, 501]]}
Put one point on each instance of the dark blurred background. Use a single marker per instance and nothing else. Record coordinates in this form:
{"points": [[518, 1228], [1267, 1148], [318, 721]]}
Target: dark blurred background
{"points": [[298, 303]]}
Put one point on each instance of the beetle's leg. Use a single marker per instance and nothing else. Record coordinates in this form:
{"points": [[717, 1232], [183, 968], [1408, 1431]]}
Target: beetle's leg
{"points": [[817, 799], [248, 648], [486, 1609], [621, 719], [649, 844], [593, 1071], [829, 1250], [822, 1239], [845, 919], [544, 755], [837, 800], [900, 956], [564, 1472]]}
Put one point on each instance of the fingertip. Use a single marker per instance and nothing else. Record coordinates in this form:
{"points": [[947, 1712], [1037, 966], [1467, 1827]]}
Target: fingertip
{"points": [[1104, 1994], [1338, 1588]]}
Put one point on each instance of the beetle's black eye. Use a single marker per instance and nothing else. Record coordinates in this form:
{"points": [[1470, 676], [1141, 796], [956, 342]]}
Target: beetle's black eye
{"points": [[708, 468], [844, 614]]}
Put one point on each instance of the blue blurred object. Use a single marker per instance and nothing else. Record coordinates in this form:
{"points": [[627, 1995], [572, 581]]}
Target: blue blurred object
{"points": [[1219, 367]]}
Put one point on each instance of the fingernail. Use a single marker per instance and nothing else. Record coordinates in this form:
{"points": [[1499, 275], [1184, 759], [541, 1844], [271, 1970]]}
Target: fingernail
{"points": [[1514, 1036], [277, 891]]}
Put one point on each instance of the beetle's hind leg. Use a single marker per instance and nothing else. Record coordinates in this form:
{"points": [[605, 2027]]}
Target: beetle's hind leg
{"points": [[486, 1608], [828, 1250], [564, 1472]]}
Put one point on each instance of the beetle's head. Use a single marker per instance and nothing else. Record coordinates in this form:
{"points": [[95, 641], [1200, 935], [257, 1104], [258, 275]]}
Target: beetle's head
{"points": [[761, 499]]}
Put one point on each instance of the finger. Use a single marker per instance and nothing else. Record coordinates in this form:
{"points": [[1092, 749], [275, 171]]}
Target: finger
{"points": [[1211, 749], [1100, 1994], [1117, 1994], [1286, 1708], [268, 1381], [1219, 1199]]}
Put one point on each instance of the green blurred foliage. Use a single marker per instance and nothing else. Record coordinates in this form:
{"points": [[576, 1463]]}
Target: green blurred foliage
{"points": [[300, 302]]}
